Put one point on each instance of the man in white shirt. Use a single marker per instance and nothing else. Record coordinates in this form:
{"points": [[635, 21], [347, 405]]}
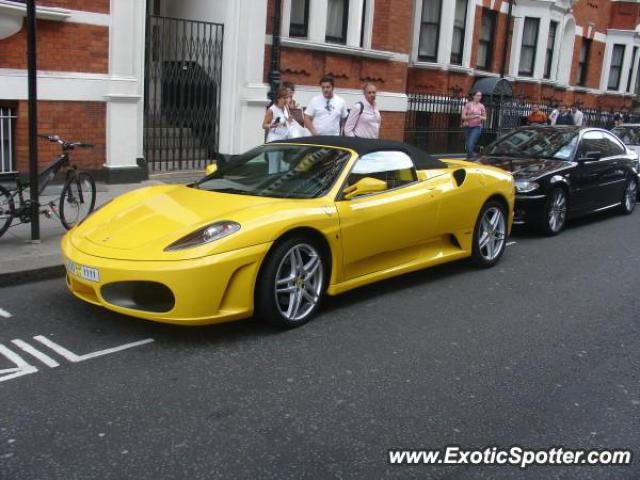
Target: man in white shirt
{"points": [[325, 113], [578, 116]]}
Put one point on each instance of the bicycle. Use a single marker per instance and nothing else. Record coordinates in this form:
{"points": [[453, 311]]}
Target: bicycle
{"points": [[77, 199]]}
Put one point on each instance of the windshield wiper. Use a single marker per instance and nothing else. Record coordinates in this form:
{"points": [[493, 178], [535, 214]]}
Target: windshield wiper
{"points": [[232, 190]]}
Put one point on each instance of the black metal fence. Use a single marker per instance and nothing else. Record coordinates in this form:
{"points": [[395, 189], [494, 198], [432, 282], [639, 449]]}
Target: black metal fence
{"points": [[183, 71], [433, 122]]}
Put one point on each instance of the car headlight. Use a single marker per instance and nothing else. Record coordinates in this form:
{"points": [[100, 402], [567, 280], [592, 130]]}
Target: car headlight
{"points": [[525, 186], [205, 235]]}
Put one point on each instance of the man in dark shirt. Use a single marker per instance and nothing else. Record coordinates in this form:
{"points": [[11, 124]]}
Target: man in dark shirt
{"points": [[565, 117]]}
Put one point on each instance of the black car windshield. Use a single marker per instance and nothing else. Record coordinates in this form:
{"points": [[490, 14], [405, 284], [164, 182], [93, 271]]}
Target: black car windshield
{"points": [[281, 171], [535, 143], [628, 135]]}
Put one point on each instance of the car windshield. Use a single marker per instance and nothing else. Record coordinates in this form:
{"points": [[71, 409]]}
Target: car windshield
{"points": [[628, 135], [281, 171], [535, 143]]}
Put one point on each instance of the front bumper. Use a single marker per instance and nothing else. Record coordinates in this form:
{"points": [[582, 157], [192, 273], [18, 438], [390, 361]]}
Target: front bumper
{"points": [[528, 208], [213, 289]]}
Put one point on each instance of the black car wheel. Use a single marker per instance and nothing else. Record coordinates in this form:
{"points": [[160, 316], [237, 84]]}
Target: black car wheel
{"points": [[555, 213], [291, 283], [490, 234], [630, 196]]}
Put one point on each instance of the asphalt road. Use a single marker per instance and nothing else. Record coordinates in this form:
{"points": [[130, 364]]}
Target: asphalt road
{"points": [[540, 351]]}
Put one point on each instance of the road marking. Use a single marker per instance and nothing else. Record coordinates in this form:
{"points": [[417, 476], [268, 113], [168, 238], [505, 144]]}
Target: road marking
{"points": [[4, 313], [511, 243], [22, 367], [46, 359], [73, 358]]}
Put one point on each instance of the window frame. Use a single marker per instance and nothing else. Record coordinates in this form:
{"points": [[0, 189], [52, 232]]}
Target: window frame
{"points": [[345, 26], [306, 20], [583, 64], [492, 18], [453, 61], [618, 68], [521, 72], [551, 49], [434, 58], [634, 57]]}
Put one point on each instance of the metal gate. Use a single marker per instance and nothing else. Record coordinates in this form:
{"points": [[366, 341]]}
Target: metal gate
{"points": [[183, 69]]}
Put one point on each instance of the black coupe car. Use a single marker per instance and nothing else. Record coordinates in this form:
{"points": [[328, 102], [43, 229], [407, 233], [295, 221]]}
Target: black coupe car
{"points": [[565, 172]]}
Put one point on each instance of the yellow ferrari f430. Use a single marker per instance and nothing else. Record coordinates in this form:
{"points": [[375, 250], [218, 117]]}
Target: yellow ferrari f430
{"points": [[272, 231]]}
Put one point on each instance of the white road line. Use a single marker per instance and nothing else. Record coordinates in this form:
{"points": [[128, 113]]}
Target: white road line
{"points": [[4, 313], [22, 367], [46, 359], [511, 243], [72, 357]]}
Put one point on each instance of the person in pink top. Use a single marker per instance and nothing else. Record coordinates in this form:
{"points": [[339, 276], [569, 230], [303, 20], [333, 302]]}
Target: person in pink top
{"points": [[364, 118], [473, 116]]}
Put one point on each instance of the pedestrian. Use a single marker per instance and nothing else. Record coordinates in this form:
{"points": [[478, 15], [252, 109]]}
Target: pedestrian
{"points": [[364, 118], [537, 116], [295, 109], [473, 115], [553, 116], [277, 120], [578, 116], [565, 117], [326, 113]]}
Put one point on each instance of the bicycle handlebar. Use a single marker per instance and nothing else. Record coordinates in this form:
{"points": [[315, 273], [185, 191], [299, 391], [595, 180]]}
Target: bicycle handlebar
{"points": [[65, 144]]}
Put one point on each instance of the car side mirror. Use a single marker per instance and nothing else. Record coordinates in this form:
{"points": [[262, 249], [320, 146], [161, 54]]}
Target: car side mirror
{"points": [[363, 187], [590, 156], [211, 169]]}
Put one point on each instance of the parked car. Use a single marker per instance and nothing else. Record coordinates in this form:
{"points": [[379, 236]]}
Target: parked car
{"points": [[565, 172], [629, 133], [276, 228]]}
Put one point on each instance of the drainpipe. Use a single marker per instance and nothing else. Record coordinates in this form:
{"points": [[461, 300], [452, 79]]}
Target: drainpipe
{"points": [[33, 120], [507, 39], [274, 70]]}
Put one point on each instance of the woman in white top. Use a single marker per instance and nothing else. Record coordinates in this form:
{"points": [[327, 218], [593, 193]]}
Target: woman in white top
{"points": [[277, 119]]}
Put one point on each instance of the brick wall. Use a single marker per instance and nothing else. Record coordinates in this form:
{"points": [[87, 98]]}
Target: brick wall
{"points": [[392, 25], [596, 12], [74, 121], [97, 6], [61, 47], [392, 126], [625, 15]]}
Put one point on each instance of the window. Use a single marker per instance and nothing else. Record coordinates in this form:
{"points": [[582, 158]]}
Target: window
{"points": [[337, 18], [583, 62], [459, 22], [631, 69], [487, 31], [617, 57], [593, 145], [394, 168], [551, 42], [299, 24], [615, 148], [429, 30], [529, 43]]}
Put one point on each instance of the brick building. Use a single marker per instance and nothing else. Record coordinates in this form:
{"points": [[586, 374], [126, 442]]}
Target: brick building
{"points": [[170, 82]]}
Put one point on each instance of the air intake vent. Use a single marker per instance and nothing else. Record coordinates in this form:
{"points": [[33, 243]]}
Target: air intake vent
{"points": [[460, 175]]}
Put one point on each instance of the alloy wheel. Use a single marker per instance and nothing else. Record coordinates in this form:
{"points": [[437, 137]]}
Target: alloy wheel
{"points": [[557, 211], [493, 233], [630, 195], [299, 282]]}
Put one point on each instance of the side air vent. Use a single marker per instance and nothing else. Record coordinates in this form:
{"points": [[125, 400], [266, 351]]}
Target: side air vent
{"points": [[460, 175]]}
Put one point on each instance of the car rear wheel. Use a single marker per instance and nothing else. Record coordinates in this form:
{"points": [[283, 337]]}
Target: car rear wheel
{"points": [[291, 283], [490, 234], [555, 213], [630, 196]]}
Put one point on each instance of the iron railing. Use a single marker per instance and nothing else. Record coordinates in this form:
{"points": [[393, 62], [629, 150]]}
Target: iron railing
{"points": [[183, 75], [433, 122], [7, 140]]}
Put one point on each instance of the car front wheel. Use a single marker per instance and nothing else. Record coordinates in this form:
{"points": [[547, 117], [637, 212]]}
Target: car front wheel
{"points": [[555, 213], [291, 283], [490, 234]]}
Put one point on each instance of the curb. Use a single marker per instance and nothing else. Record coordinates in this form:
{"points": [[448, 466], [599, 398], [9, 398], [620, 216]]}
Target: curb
{"points": [[12, 279]]}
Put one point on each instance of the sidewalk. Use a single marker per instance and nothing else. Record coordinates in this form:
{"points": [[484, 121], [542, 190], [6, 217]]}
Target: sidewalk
{"points": [[22, 261]]}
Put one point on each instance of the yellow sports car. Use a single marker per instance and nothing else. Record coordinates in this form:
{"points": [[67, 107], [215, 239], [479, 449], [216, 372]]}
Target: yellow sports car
{"points": [[275, 229]]}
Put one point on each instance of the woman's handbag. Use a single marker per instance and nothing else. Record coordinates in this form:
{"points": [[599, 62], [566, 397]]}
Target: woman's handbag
{"points": [[297, 131]]}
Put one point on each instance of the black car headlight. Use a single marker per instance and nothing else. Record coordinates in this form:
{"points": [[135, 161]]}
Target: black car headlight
{"points": [[526, 186], [205, 235]]}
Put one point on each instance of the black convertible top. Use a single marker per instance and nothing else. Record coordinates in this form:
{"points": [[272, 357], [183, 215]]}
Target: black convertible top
{"points": [[362, 146]]}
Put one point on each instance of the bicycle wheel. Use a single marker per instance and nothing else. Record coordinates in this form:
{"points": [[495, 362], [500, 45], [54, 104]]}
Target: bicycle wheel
{"points": [[7, 209], [77, 199]]}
